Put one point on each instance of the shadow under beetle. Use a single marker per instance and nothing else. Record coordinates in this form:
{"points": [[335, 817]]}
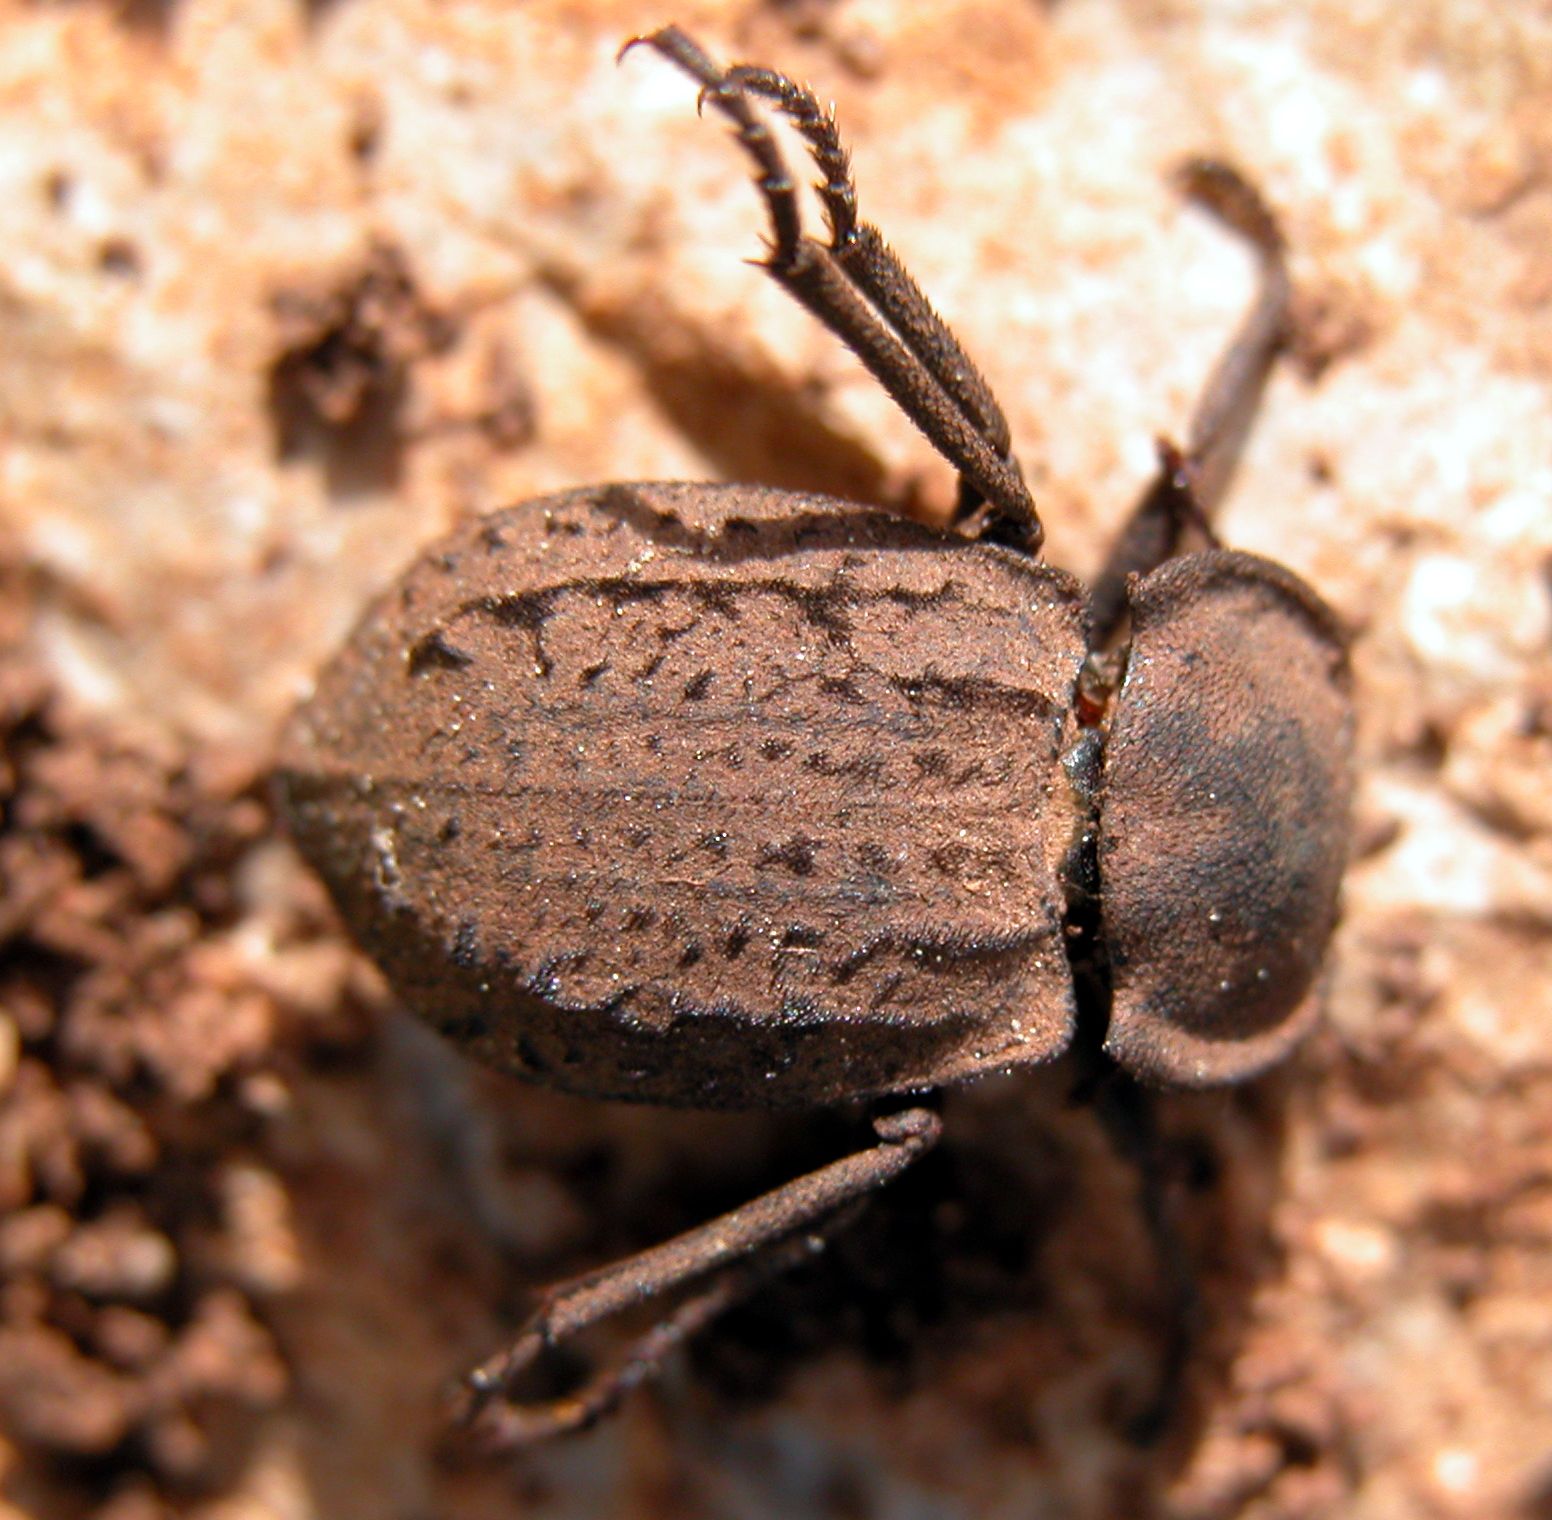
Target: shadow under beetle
{"points": [[719, 796]]}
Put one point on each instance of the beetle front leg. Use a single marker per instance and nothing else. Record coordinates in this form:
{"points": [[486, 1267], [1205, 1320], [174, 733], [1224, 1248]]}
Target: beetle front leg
{"points": [[1191, 481], [766, 1236]]}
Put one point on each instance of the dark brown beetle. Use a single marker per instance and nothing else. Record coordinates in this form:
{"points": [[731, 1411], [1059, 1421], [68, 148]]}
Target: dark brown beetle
{"points": [[719, 796]]}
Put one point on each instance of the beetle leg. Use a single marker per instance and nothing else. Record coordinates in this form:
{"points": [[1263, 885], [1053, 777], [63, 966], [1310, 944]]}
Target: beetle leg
{"points": [[506, 1425], [872, 265], [1125, 1111], [864, 295], [766, 1236], [1191, 482], [1228, 405]]}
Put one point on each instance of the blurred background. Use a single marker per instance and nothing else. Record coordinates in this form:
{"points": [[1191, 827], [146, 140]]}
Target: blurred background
{"points": [[291, 286]]}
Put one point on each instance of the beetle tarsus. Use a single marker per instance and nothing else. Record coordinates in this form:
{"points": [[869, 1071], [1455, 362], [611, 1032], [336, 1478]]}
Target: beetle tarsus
{"points": [[817, 127], [872, 266]]}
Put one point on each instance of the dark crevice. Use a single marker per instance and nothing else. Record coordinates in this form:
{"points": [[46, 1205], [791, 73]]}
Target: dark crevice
{"points": [[1083, 919]]}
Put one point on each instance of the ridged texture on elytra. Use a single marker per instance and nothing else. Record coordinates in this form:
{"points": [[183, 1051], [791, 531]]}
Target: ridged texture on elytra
{"points": [[707, 795], [1225, 817]]}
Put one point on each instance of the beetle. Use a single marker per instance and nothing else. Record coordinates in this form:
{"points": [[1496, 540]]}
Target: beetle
{"points": [[723, 796]]}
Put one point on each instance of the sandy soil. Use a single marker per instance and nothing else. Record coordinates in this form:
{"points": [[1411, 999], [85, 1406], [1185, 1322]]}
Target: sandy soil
{"points": [[291, 287]]}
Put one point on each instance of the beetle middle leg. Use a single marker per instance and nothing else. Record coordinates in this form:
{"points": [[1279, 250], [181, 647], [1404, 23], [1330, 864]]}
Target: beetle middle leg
{"points": [[745, 1248], [1192, 481], [1127, 1114]]}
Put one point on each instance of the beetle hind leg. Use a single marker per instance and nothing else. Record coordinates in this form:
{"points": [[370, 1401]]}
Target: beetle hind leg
{"points": [[871, 264], [738, 1251], [859, 290]]}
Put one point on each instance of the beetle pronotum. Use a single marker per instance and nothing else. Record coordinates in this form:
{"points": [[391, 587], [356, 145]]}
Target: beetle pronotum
{"points": [[722, 796]]}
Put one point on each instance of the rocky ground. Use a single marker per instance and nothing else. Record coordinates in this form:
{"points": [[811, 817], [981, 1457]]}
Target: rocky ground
{"points": [[291, 287]]}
